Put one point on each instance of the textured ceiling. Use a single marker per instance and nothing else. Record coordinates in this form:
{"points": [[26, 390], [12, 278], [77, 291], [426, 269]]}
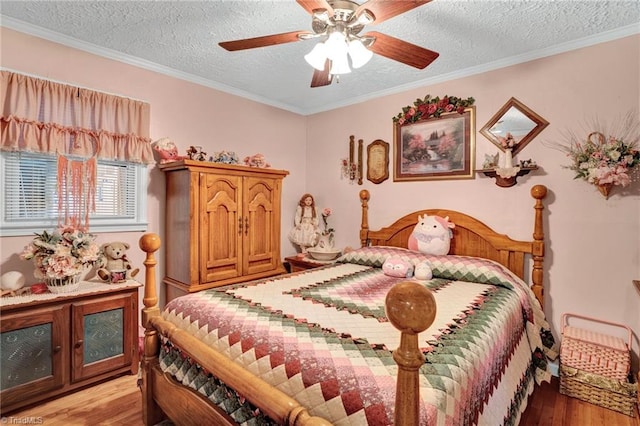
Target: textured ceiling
{"points": [[180, 38]]}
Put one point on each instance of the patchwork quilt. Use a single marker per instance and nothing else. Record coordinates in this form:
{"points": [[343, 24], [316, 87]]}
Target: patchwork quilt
{"points": [[323, 338]]}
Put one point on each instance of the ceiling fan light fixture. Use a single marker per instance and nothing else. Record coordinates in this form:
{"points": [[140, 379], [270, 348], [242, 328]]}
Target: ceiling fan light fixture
{"points": [[340, 65], [365, 18], [359, 54], [337, 47], [321, 15], [317, 57]]}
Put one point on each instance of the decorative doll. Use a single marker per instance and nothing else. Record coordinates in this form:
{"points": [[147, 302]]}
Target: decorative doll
{"points": [[306, 230]]}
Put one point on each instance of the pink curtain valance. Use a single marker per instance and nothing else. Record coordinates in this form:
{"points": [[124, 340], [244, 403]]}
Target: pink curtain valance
{"points": [[44, 116]]}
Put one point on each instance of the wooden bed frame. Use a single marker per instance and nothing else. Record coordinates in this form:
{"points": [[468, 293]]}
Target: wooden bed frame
{"points": [[163, 396]]}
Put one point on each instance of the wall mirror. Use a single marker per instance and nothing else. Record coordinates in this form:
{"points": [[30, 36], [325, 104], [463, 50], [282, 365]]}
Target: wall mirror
{"points": [[515, 118]]}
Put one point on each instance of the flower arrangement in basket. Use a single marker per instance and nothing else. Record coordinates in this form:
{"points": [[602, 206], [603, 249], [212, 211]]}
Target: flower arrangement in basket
{"points": [[606, 161], [61, 256]]}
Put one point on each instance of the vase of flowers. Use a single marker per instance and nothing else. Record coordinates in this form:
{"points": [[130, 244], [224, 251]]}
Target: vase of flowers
{"points": [[508, 143], [326, 240], [61, 256]]}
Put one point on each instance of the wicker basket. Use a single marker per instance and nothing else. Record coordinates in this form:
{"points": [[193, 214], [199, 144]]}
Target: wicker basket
{"points": [[595, 352], [613, 394], [63, 285]]}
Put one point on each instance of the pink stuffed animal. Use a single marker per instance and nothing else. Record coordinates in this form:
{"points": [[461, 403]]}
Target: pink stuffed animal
{"points": [[167, 150], [256, 160], [432, 235], [397, 267]]}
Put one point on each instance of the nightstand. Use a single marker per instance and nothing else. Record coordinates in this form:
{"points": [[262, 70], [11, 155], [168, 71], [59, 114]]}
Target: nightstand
{"points": [[55, 343], [297, 263]]}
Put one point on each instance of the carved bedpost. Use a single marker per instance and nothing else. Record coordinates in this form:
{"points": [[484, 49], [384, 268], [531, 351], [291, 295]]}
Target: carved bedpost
{"points": [[364, 224], [151, 413], [538, 192], [411, 308]]}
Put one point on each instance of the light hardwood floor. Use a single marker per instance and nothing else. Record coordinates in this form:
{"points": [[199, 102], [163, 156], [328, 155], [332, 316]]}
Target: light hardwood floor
{"points": [[118, 402]]}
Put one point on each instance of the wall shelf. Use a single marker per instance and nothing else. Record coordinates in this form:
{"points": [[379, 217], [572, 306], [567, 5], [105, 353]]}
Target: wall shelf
{"points": [[509, 181]]}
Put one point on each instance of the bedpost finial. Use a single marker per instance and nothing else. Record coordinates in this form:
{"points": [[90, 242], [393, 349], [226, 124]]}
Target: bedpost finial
{"points": [[149, 243], [410, 307], [364, 195], [539, 192]]}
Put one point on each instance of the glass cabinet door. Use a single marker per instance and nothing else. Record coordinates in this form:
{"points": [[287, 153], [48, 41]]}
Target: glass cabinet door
{"points": [[32, 351], [102, 335]]}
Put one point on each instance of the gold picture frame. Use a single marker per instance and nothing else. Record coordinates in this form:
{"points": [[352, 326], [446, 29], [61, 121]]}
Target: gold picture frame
{"points": [[378, 161], [435, 148]]}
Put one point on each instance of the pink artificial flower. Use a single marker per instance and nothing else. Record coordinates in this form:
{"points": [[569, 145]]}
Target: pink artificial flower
{"points": [[508, 141]]}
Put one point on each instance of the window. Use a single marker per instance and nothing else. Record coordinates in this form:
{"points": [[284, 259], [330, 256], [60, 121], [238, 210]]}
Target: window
{"points": [[94, 137], [29, 200]]}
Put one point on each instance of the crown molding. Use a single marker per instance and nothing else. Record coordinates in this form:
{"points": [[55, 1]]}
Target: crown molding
{"points": [[55, 37]]}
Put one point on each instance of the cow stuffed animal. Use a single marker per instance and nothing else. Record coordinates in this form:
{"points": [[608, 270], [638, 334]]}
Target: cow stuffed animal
{"points": [[432, 235], [113, 263]]}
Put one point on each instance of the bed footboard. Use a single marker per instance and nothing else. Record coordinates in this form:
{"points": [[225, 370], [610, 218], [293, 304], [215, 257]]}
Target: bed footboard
{"points": [[410, 307], [162, 397]]}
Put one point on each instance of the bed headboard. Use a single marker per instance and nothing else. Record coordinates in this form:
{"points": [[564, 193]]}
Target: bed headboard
{"points": [[470, 238]]}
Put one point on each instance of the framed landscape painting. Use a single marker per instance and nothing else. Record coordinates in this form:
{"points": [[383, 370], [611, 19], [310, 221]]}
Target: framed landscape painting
{"points": [[435, 148]]}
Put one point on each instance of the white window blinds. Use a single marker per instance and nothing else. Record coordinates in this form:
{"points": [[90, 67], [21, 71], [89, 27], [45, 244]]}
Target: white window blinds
{"points": [[29, 200]]}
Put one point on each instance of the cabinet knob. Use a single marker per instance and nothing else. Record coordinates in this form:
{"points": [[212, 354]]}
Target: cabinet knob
{"points": [[240, 226], [246, 225], [79, 343], [57, 349]]}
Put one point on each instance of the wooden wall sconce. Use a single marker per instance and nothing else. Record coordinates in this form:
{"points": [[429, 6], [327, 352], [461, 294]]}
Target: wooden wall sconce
{"points": [[350, 169]]}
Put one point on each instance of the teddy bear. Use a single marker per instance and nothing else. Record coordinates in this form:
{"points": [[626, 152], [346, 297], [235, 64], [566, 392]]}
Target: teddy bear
{"points": [[113, 263]]}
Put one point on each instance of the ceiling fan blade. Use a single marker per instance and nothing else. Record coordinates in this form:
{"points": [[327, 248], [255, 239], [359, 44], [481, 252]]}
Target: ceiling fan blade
{"points": [[321, 78], [401, 51], [385, 9], [311, 5], [270, 40]]}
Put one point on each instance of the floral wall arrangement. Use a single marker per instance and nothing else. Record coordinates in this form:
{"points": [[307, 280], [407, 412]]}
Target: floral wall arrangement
{"points": [[429, 107], [606, 158]]}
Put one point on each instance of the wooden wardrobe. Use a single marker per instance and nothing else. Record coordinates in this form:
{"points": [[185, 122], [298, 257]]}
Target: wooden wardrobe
{"points": [[222, 225]]}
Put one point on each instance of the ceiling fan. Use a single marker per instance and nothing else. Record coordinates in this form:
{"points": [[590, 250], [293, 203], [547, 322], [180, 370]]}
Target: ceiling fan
{"points": [[338, 23]]}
